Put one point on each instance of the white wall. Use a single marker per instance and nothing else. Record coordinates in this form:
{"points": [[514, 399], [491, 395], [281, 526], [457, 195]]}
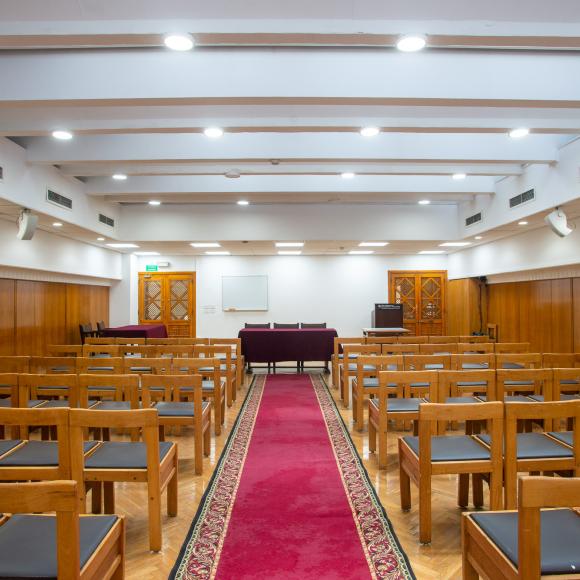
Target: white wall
{"points": [[338, 290]]}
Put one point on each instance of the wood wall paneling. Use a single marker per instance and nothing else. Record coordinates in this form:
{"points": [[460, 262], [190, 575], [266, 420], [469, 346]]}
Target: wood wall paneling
{"points": [[576, 313], [463, 308], [7, 317], [85, 304], [562, 316]]}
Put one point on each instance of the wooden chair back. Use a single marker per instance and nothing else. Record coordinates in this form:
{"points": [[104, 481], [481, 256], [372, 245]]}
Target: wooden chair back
{"points": [[381, 340], [443, 339], [400, 349], [192, 341], [528, 381], [174, 387], [475, 347], [161, 341], [9, 387], [472, 361], [524, 360], [551, 360], [33, 387], [137, 341], [112, 387], [173, 351], [360, 349], [427, 362], [207, 367], [438, 348], [511, 347], [234, 343], [99, 340], [145, 366], [136, 351], [564, 382], [461, 383], [379, 363], [410, 384], [473, 338], [14, 364], [53, 364], [412, 339], [64, 350], [340, 342], [88, 365], [100, 350]]}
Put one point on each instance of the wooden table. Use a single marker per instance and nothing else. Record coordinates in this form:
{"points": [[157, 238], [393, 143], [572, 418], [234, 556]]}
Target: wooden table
{"points": [[391, 331]]}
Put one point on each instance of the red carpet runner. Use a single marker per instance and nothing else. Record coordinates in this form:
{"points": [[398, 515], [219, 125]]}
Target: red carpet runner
{"points": [[289, 498]]}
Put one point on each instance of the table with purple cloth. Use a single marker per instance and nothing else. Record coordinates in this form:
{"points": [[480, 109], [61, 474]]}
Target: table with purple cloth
{"points": [[272, 345], [136, 331]]}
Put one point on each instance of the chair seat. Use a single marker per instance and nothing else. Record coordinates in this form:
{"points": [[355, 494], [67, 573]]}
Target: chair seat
{"points": [[354, 367], [112, 406], [461, 400], [569, 382], [170, 409], [434, 367], [141, 369], [4, 403], [370, 382], [563, 397], [474, 366], [350, 356], [28, 544], [512, 365], [560, 538], [472, 384], [510, 399], [397, 405], [7, 444], [564, 436], [519, 383], [451, 448], [536, 446], [37, 454], [419, 385], [123, 455], [56, 404]]}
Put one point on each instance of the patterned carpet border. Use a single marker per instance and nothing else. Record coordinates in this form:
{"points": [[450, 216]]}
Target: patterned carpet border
{"points": [[200, 552], [386, 558]]}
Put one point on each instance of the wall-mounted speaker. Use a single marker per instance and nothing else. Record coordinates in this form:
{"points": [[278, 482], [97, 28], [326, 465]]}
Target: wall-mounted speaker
{"points": [[558, 223], [27, 223]]}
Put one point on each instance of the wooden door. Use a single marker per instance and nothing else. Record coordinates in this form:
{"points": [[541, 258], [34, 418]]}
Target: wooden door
{"points": [[422, 294], [168, 298]]}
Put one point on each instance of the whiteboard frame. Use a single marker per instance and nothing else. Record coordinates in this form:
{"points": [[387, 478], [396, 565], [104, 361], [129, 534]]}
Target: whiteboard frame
{"points": [[224, 309]]}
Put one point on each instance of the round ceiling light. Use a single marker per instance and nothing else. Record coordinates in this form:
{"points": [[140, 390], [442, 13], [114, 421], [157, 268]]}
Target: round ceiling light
{"points": [[370, 131], [179, 41], [519, 133], [213, 132], [62, 135], [411, 43]]}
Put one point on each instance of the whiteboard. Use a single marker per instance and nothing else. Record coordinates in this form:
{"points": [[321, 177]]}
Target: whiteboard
{"points": [[244, 293]]}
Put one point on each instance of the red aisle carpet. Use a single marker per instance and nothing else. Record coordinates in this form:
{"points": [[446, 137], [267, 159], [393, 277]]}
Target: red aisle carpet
{"points": [[289, 498]]}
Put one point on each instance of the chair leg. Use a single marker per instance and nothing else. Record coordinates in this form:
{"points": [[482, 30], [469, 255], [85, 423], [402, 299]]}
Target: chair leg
{"points": [[96, 497], [404, 488], [372, 437], [477, 490], [217, 409], [425, 509], [207, 440], [382, 448], [172, 491], [463, 490], [198, 445], [359, 412], [469, 572], [109, 496], [155, 533]]}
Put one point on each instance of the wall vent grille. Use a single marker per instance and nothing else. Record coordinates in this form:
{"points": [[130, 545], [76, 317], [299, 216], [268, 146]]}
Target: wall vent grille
{"points": [[473, 219], [58, 199], [525, 197], [1, 173], [106, 220]]}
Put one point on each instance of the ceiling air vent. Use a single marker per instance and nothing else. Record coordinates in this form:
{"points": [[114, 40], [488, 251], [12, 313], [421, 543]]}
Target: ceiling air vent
{"points": [[58, 199], [1, 173], [525, 197], [106, 220], [473, 219]]}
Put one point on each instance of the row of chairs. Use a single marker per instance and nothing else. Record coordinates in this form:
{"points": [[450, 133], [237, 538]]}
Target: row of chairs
{"points": [[234, 342], [407, 339]]}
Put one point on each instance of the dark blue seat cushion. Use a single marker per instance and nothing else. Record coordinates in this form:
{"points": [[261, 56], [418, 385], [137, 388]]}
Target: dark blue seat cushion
{"points": [[536, 446], [564, 436], [397, 405], [461, 400], [512, 365], [540, 398], [560, 538], [28, 544], [56, 404], [112, 406], [123, 455], [7, 445], [169, 409], [37, 454], [5, 403], [511, 398], [472, 384], [451, 448], [474, 366]]}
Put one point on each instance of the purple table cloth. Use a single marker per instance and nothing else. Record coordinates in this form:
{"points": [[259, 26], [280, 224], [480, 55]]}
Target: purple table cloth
{"points": [[287, 344], [137, 331]]}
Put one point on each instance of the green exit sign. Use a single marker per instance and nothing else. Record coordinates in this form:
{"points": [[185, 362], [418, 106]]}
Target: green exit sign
{"points": [[151, 268]]}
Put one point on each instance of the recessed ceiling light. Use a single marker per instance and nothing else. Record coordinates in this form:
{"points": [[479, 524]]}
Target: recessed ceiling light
{"points": [[424, 202], [289, 244], [217, 253], [243, 202], [62, 135], [213, 132], [360, 252], [179, 41], [146, 253], [100, 239], [348, 175], [370, 131], [522, 223], [122, 245], [373, 244], [119, 177], [432, 252], [411, 43], [290, 253], [459, 176], [233, 174], [455, 244], [478, 237], [205, 245], [57, 225], [519, 132], [154, 202]]}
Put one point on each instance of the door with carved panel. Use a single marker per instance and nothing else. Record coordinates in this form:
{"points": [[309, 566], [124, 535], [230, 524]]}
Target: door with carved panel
{"points": [[168, 298], [422, 294]]}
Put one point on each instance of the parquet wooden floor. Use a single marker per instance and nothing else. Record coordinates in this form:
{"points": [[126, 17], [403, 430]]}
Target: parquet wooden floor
{"points": [[441, 560]]}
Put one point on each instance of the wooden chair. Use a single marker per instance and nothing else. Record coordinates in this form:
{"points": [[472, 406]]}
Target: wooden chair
{"points": [[147, 366], [101, 326], [461, 386], [551, 360], [212, 385], [385, 408], [53, 364], [438, 348], [511, 383], [400, 348], [472, 361], [475, 347], [14, 364], [422, 457], [137, 341], [173, 351], [173, 411], [237, 358], [227, 368], [64, 350], [192, 341], [473, 338], [443, 339], [95, 553], [101, 350], [348, 368], [86, 331], [427, 362], [530, 452], [366, 382], [511, 347], [9, 389], [109, 392], [565, 384], [91, 364], [524, 360], [338, 356], [150, 461], [530, 543], [412, 339], [492, 332], [136, 350], [49, 390], [100, 340]]}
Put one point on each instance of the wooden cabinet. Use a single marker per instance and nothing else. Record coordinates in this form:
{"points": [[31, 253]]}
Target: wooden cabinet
{"points": [[422, 294], [168, 298]]}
